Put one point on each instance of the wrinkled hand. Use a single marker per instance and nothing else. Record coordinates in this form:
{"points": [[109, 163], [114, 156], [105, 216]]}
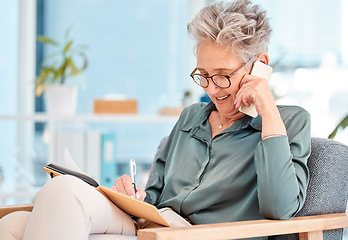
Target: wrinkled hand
{"points": [[124, 185], [256, 90]]}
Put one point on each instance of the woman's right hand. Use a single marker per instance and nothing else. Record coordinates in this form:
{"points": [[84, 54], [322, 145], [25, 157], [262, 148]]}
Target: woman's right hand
{"points": [[124, 185]]}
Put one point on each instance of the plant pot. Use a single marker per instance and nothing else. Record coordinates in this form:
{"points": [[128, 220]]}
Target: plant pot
{"points": [[61, 99]]}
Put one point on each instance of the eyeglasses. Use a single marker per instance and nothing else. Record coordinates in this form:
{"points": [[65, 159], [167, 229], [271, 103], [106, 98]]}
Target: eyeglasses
{"points": [[222, 81]]}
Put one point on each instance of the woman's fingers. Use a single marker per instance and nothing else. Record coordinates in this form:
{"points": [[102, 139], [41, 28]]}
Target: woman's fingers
{"points": [[244, 95], [124, 185], [140, 195], [251, 88], [243, 80], [257, 91], [246, 100]]}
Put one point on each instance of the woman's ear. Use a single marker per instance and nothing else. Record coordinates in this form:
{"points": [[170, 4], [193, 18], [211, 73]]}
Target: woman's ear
{"points": [[263, 57]]}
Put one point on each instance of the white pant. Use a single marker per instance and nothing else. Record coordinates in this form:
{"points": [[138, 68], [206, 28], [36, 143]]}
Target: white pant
{"points": [[67, 208]]}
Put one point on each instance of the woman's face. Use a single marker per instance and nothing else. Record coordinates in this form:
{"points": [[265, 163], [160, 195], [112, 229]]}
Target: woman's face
{"points": [[216, 59]]}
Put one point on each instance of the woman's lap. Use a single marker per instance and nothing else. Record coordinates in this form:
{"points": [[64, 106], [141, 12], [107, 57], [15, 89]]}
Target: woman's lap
{"points": [[12, 225], [68, 208]]}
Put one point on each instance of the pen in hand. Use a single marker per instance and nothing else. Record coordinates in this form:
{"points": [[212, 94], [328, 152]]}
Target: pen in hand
{"points": [[133, 172]]}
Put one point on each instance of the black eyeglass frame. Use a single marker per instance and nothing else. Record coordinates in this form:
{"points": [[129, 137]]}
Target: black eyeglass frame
{"points": [[212, 77]]}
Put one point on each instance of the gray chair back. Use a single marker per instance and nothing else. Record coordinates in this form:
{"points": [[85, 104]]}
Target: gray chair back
{"points": [[327, 190]]}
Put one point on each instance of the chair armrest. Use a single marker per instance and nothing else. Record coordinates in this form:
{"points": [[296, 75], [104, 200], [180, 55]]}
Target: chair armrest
{"points": [[4, 210], [309, 227]]}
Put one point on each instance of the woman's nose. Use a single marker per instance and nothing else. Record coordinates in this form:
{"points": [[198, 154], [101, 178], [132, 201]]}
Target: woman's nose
{"points": [[212, 88]]}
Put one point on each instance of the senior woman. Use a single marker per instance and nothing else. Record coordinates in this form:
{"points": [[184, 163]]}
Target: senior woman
{"points": [[218, 165]]}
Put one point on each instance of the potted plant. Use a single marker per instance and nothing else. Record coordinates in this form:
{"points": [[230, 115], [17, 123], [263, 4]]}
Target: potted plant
{"points": [[343, 124], [56, 70]]}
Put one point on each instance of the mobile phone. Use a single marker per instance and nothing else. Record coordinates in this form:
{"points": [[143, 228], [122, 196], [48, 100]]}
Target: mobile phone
{"points": [[261, 70]]}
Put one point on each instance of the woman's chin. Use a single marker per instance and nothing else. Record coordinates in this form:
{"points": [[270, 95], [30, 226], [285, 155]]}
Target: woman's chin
{"points": [[226, 108]]}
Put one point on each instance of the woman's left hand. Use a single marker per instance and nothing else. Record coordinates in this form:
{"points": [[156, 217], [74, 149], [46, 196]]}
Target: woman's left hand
{"points": [[256, 90]]}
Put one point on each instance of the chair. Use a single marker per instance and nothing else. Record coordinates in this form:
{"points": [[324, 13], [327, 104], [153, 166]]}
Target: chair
{"points": [[324, 208]]}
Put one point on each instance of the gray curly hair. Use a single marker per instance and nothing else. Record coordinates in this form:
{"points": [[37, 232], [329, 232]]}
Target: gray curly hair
{"points": [[243, 28]]}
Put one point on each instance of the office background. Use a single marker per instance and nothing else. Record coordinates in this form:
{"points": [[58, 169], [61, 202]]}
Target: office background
{"points": [[140, 49]]}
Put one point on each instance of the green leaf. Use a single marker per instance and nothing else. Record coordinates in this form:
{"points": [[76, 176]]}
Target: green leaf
{"points": [[42, 79], [343, 124], [85, 64], [47, 40], [85, 60], [67, 46], [44, 75], [60, 73], [73, 69], [56, 67]]}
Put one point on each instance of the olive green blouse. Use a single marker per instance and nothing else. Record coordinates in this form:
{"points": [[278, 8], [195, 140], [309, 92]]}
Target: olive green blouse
{"points": [[234, 176]]}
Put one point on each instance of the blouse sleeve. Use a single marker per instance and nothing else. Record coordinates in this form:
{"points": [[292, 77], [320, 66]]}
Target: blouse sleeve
{"points": [[153, 192], [281, 166]]}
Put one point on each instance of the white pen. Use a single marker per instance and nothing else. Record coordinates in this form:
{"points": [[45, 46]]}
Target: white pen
{"points": [[133, 172]]}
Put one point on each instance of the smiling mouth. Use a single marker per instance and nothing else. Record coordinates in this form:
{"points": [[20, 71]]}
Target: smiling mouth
{"points": [[224, 97]]}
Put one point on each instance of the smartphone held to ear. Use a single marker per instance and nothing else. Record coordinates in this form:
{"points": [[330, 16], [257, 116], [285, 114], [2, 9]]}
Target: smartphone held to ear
{"points": [[261, 70]]}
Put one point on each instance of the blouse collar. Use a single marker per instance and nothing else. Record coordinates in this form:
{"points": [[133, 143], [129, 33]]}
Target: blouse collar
{"points": [[196, 123]]}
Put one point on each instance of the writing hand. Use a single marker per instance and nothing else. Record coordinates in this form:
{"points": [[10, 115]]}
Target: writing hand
{"points": [[124, 185]]}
